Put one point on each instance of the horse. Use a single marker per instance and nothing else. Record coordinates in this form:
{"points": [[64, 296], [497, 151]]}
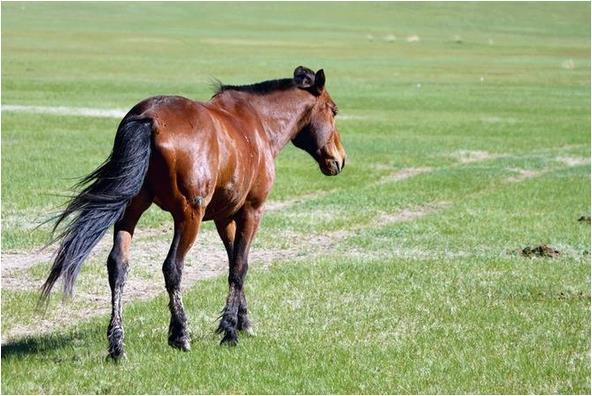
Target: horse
{"points": [[199, 161]]}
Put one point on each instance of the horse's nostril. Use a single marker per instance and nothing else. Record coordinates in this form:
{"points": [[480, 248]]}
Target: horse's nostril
{"points": [[337, 165], [343, 163]]}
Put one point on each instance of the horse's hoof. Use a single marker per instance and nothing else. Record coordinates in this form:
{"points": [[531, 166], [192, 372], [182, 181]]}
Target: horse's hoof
{"points": [[183, 344], [230, 340]]}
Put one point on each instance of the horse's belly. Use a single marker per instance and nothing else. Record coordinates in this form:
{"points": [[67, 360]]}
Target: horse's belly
{"points": [[225, 202]]}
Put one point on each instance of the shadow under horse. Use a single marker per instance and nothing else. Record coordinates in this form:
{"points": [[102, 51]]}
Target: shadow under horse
{"points": [[199, 161]]}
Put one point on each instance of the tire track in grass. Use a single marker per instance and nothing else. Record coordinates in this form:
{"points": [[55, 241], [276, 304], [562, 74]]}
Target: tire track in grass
{"points": [[402, 174], [566, 162]]}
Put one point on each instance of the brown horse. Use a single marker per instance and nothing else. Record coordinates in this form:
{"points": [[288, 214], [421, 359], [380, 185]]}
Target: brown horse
{"points": [[198, 161]]}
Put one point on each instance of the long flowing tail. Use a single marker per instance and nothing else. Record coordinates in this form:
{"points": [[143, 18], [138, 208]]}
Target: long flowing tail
{"points": [[109, 188]]}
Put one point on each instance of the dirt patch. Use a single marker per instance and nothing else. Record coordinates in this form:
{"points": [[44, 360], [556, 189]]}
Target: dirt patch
{"points": [[498, 120], [539, 251], [410, 214], [523, 174], [403, 174], [573, 161], [471, 156], [389, 38], [13, 261], [22, 260], [568, 64], [67, 111], [584, 219], [574, 296], [279, 205]]}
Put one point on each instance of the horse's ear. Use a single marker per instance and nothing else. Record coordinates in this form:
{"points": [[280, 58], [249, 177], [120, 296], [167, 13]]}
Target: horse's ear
{"points": [[319, 80], [304, 77]]}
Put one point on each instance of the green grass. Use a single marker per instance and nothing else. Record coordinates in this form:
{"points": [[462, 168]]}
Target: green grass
{"points": [[439, 304], [405, 326]]}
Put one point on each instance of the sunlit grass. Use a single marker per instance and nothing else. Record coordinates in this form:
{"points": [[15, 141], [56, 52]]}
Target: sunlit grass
{"points": [[441, 303]]}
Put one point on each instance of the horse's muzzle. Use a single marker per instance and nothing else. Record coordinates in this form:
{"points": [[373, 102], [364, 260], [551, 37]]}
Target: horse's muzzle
{"points": [[332, 167], [331, 157]]}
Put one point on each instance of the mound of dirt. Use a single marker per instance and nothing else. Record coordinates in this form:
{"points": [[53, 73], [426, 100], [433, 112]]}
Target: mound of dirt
{"points": [[539, 251], [584, 219], [574, 295]]}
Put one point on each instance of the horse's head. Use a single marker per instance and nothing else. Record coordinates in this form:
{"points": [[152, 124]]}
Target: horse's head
{"points": [[318, 136]]}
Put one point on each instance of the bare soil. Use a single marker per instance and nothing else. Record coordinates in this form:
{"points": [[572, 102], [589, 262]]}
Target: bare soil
{"points": [[403, 174], [539, 251], [523, 174], [410, 214], [573, 161], [471, 156]]}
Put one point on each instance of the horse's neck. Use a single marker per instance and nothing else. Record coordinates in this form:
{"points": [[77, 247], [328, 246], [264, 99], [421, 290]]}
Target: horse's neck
{"points": [[282, 113]]}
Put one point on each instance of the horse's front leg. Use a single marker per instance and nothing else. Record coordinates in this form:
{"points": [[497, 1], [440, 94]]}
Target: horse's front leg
{"points": [[234, 316]]}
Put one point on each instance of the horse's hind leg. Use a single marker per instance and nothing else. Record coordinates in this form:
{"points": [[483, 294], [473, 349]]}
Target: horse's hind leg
{"points": [[227, 231], [186, 229], [117, 266]]}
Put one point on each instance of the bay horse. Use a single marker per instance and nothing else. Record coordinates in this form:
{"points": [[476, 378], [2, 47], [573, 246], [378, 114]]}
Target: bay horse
{"points": [[199, 161]]}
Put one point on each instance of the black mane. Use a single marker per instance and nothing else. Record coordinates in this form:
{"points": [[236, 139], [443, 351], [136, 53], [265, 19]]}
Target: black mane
{"points": [[257, 88]]}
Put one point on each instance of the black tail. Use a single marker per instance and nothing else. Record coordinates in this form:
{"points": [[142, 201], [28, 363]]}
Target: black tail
{"points": [[109, 188]]}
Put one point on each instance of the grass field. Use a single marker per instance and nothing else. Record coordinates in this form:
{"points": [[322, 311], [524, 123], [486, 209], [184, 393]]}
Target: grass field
{"points": [[467, 128]]}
